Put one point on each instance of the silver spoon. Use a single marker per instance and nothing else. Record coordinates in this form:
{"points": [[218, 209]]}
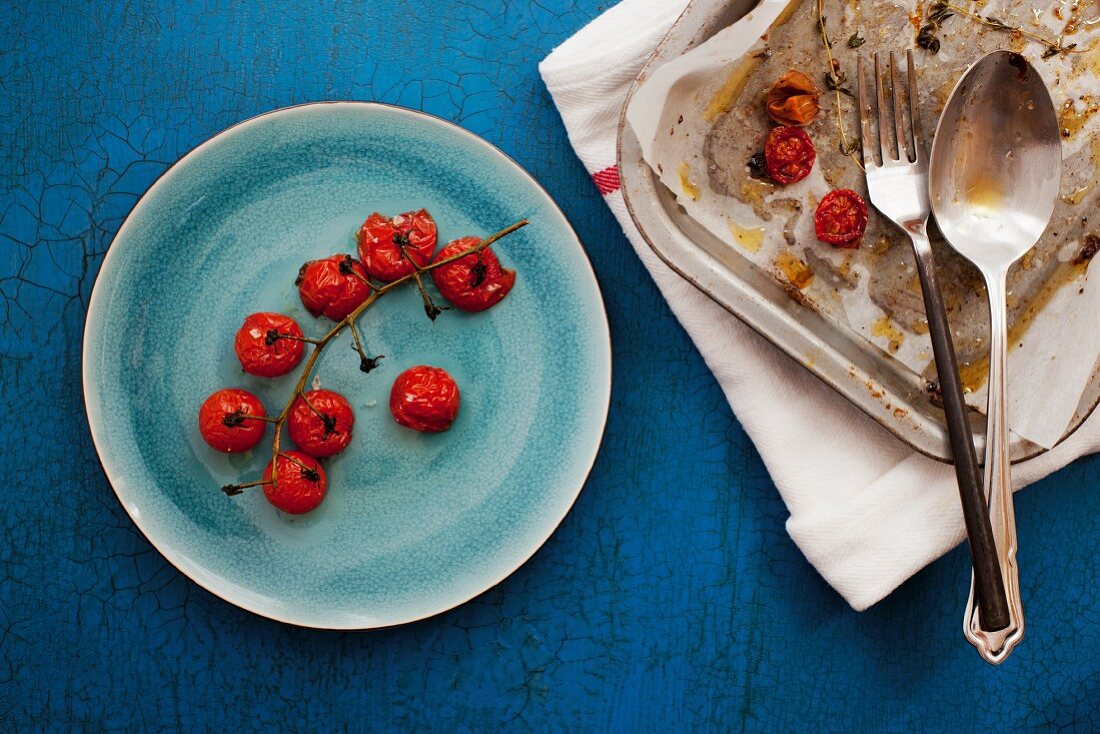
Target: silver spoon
{"points": [[994, 176]]}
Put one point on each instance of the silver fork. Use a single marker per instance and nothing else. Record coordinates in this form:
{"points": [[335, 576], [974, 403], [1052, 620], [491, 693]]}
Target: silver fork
{"points": [[897, 183]]}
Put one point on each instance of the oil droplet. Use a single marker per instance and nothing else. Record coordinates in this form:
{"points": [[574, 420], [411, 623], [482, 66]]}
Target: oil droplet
{"points": [[797, 272], [1071, 119], [984, 193], [686, 183], [749, 238], [885, 327]]}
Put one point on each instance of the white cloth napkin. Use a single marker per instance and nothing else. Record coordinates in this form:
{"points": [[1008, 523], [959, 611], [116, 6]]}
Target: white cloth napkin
{"points": [[867, 511]]}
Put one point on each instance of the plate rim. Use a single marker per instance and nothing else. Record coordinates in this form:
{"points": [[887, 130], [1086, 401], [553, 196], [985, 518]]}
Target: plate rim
{"points": [[97, 296]]}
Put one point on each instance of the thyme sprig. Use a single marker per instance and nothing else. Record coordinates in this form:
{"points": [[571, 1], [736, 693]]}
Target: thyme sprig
{"points": [[941, 10], [835, 81], [367, 363]]}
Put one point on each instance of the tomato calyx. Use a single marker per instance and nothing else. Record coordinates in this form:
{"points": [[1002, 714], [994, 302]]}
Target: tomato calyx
{"points": [[328, 421], [366, 364], [478, 272], [234, 419], [307, 472]]}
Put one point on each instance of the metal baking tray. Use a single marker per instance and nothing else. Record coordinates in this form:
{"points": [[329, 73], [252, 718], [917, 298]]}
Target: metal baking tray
{"points": [[891, 394]]}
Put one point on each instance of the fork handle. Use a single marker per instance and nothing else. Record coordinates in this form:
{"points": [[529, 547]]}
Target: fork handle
{"points": [[988, 583]]}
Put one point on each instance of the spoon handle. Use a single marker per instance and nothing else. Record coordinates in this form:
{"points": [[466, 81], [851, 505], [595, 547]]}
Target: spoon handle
{"points": [[994, 645], [983, 551]]}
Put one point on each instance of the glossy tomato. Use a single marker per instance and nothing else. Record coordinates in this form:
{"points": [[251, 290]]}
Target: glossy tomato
{"points": [[321, 424], [841, 218], [228, 420], [380, 238], [261, 348], [425, 399], [789, 154], [334, 286], [300, 486], [475, 282]]}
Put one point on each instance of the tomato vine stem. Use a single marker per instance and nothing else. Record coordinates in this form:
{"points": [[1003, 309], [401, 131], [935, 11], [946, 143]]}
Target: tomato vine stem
{"points": [[377, 291]]}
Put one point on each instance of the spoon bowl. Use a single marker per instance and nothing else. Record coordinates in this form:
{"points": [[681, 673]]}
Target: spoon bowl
{"points": [[994, 176], [996, 162]]}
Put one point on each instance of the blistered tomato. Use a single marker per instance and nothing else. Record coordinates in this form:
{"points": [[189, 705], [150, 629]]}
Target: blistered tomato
{"points": [[425, 399], [334, 286], [321, 423], [841, 218], [229, 420], [475, 282], [789, 154], [301, 484], [381, 241], [262, 345]]}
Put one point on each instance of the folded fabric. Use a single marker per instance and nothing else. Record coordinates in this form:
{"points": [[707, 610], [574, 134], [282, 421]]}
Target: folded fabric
{"points": [[866, 510]]}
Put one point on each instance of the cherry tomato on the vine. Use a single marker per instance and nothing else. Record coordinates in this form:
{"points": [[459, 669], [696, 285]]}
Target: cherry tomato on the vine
{"points": [[333, 286], [789, 154], [301, 484], [381, 241], [322, 426], [425, 399], [262, 348], [841, 218], [475, 282], [226, 420]]}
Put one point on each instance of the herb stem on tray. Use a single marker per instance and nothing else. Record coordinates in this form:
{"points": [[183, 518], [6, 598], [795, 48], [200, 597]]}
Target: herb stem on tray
{"points": [[938, 12], [835, 80]]}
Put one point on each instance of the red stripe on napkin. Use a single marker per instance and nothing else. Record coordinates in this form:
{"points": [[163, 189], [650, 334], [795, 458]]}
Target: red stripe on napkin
{"points": [[607, 180]]}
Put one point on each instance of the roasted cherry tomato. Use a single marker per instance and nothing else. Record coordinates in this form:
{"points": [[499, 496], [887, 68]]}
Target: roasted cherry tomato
{"points": [[228, 420], [300, 486], [425, 399], [841, 218], [261, 348], [334, 286], [379, 240], [322, 426], [475, 282], [789, 154]]}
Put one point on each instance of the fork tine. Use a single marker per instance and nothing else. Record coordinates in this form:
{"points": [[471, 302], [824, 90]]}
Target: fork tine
{"points": [[883, 128], [899, 111], [864, 120], [914, 113]]}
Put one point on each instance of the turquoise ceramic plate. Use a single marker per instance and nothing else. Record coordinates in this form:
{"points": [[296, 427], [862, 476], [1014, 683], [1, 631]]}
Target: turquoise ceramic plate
{"points": [[413, 524]]}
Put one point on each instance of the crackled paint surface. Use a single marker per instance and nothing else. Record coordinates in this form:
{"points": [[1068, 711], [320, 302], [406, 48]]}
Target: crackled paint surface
{"points": [[669, 600]]}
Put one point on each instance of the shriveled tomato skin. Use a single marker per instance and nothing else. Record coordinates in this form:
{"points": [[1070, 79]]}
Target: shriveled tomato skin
{"points": [[841, 218], [308, 430], [464, 285], [425, 399], [789, 154], [382, 257], [257, 356], [221, 421], [295, 492], [328, 286]]}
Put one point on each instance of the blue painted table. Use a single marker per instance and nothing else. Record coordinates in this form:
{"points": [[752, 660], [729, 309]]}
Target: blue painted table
{"points": [[670, 599]]}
